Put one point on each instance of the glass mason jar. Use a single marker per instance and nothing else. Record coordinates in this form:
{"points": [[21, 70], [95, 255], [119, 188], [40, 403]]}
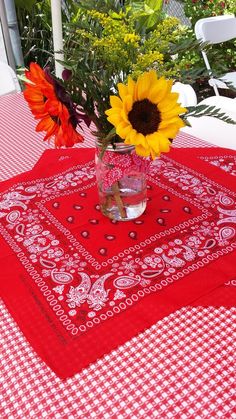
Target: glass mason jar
{"points": [[121, 180]]}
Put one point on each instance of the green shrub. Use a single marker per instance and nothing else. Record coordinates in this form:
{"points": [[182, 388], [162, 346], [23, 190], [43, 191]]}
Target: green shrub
{"points": [[35, 27], [221, 57], [103, 48], [198, 9]]}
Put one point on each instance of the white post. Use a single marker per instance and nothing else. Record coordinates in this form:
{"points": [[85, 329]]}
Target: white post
{"points": [[57, 35], [6, 35]]}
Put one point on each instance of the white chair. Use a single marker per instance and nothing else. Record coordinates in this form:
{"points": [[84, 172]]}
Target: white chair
{"points": [[187, 96], [8, 80], [215, 30], [213, 130]]}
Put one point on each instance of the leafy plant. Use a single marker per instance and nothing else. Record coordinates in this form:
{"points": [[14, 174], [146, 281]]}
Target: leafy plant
{"points": [[146, 13], [25, 4], [206, 110], [198, 9], [35, 26], [103, 48]]}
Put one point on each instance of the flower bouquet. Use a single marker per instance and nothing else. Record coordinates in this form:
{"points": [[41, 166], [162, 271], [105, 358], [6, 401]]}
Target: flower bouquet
{"points": [[122, 90]]}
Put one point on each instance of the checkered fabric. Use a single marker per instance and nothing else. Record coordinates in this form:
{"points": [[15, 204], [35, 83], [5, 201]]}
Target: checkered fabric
{"points": [[182, 367]]}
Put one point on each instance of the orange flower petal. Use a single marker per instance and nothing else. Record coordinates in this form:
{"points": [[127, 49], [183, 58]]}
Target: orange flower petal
{"points": [[53, 107], [46, 124]]}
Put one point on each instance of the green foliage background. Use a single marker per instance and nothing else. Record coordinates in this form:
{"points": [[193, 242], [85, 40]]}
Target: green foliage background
{"points": [[199, 9], [103, 48], [221, 57], [105, 42], [35, 26]]}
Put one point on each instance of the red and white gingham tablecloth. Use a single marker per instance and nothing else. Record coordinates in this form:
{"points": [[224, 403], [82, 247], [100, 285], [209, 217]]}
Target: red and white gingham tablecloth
{"points": [[182, 367]]}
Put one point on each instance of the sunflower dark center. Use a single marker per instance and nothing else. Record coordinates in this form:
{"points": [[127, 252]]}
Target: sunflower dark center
{"points": [[144, 117]]}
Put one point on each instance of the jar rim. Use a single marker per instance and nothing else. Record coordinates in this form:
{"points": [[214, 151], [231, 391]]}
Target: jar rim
{"points": [[119, 147]]}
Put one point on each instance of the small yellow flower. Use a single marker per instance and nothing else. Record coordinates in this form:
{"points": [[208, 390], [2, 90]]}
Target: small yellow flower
{"points": [[131, 38], [146, 114]]}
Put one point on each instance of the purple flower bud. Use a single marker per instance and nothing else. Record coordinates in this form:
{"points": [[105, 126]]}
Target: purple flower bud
{"points": [[66, 74]]}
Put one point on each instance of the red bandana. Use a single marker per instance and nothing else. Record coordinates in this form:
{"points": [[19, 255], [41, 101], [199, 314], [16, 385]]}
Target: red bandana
{"points": [[79, 284]]}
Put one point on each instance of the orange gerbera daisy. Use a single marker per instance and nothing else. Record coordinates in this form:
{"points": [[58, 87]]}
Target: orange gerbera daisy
{"points": [[49, 102]]}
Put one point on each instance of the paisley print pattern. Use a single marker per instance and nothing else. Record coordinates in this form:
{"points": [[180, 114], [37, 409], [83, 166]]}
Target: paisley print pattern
{"points": [[118, 166], [89, 269], [225, 163]]}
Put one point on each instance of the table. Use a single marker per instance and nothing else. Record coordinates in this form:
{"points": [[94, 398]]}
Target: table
{"points": [[183, 366]]}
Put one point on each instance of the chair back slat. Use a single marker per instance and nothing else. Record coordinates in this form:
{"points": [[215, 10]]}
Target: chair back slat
{"points": [[215, 30]]}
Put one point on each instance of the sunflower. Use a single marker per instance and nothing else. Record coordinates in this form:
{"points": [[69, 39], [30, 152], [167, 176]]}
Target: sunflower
{"points": [[146, 114], [49, 102]]}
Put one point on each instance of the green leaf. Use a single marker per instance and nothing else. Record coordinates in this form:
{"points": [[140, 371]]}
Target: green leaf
{"points": [[148, 10], [155, 5], [206, 110], [65, 64], [25, 4], [115, 15]]}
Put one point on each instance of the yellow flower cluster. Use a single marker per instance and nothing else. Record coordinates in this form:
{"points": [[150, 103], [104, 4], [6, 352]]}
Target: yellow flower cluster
{"points": [[102, 18], [131, 38], [147, 61], [109, 47], [115, 41], [165, 32], [84, 34]]}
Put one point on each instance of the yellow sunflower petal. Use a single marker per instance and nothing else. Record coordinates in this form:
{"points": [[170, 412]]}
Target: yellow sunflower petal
{"points": [[174, 120], [112, 111], [130, 138], [152, 77], [123, 90], [164, 144], [114, 119], [115, 102], [141, 140], [140, 88], [131, 86], [154, 155], [142, 151], [170, 84], [173, 112], [158, 143], [127, 103], [158, 91], [143, 85], [122, 129], [153, 142], [168, 102], [124, 116], [171, 130]]}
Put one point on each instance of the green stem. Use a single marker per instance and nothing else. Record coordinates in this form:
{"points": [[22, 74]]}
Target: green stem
{"points": [[119, 202]]}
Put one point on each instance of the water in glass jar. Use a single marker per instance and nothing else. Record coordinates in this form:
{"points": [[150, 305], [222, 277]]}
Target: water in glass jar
{"points": [[126, 199]]}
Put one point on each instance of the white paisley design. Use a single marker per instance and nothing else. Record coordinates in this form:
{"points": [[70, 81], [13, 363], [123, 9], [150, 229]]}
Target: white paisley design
{"points": [[84, 289]]}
